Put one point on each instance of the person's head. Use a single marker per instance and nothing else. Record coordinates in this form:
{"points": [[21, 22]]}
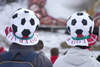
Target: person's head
{"points": [[54, 51], [80, 26], [38, 46], [22, 29]]}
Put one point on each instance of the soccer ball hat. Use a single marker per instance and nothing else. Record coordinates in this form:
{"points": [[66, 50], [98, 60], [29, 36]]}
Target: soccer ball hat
{"points": [[80, 26], [23, 28]]}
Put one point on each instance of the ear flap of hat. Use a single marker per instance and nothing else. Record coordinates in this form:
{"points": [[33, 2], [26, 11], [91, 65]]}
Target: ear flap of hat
{"points": [[92, 40], [8, 30]]}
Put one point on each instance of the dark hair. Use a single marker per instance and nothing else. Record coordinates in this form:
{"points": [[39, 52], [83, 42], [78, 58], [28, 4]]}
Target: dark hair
{"points": [[54, 51], [39, 45]]}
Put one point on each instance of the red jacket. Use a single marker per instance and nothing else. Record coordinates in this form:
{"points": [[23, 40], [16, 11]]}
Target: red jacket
{"points": [[1, 49], [53, 58]]}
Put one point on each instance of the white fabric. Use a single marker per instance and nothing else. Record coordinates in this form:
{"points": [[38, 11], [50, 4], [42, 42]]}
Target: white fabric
{"points": [[77, 57], [79, 28]]}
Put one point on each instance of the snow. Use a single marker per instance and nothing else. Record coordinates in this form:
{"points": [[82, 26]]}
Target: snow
{"points": [[50, 39]]}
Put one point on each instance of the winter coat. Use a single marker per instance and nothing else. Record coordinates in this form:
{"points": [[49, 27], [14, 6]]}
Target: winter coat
{"points": [[39, 61], [53, 58], [77, 57], [1, 49]]}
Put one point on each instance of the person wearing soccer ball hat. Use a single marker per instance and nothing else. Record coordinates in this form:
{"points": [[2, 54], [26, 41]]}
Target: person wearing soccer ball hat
{"points": [[80, 26], [22, 33]]}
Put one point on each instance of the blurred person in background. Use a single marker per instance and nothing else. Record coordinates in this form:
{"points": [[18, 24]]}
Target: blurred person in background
{"points": [[54, 54]]}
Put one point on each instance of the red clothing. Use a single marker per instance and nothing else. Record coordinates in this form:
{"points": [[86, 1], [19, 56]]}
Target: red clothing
{"points": [[53, 58], [1, 49]]}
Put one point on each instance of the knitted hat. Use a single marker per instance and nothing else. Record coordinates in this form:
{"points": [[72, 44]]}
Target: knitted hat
{"points": [[23, 26], [80, 26]]}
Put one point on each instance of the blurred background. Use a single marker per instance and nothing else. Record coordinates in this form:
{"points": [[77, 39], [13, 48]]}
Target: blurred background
{"points": [[53, 16]]}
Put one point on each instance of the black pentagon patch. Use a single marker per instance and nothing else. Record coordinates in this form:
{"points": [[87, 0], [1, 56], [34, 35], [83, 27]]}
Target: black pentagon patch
{"points": [[73, 22], [14, 16], [90, 18], [78, 31], [90, 30], [19, 9], [26, 11], [26, 32], [32, 21], [23, 21], [79, 14], [84, 22], [68, 29], [14, 27]]}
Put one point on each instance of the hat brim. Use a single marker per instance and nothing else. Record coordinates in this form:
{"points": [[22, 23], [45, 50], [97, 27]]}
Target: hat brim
{"points": [[86, 42], [33, 41]]}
